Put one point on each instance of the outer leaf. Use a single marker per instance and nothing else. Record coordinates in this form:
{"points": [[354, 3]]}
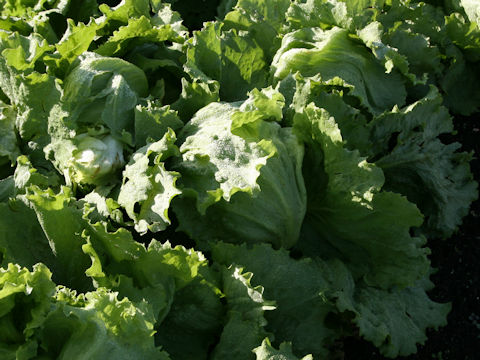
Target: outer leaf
{"points": [[61, 221], [174, 281], [137, 31], [26, 175], [299, 288], [419, 160], [148, 188], [113, 249], [7, 188], [465, 34], [194, 96], [126, 10], [99, 206], [104, 87], [262, 19], [75, 41], [348, 14], [404, 143], [395, 321], [8, 141], [97, 325], [351, 121], [142, 274], [152, 122], [462, 93], [244, 329], [22, 239], [28, 293], [194, 322], [339, 60], [232, 58], [112, 255], [59, 324], [242, 173], [388, 55], [33, 96], [22, 52], [18, 8], [353, 220], [227, 163], [267, 352]]}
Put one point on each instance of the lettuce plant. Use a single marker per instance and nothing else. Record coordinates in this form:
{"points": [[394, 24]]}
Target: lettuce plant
{"points": [[259, 187]]}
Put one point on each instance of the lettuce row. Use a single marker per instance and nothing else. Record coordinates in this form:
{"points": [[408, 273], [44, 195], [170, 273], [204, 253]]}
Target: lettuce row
{"points": [[259, 188]]}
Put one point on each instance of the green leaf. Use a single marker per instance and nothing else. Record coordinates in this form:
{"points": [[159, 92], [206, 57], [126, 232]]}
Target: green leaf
{"points": [[262, 19], [26, 175], [152, 122], [60, 217], [148, 188], [151, 275], [353, 219], [22, 52], [348, 14], [216, 163], [433, 175], [193, 324], [351, 121], [244, 328], [58, 323], [109, 86], [8, 141], [395, 321], [137, 31], [232, 58], [33, 96], [465, 35], [372, 35], [99, 206], [7, 188], [74, 42], [22, 240], [339, 60], [113, 265], [242, 172], [267, 352], [299, 289], [97, 325], [462, 94], [126, 10], [29, 293], [195, 95]]}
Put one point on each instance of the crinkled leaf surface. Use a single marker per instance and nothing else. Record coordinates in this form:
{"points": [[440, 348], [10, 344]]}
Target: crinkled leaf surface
{"points": [[298, 287], [396, 320], [340, 60], [349, 211], [267, 352], [244, 329], [60, 218], [235, 162], [232, 58], [419, 156], [148, 188]]}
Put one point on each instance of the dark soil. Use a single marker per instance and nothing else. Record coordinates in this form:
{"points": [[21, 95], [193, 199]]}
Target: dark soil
{"points": [[458, 262]]}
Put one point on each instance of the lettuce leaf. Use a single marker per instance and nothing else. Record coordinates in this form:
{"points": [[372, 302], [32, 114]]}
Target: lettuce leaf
{"points": [[235, 160]]}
